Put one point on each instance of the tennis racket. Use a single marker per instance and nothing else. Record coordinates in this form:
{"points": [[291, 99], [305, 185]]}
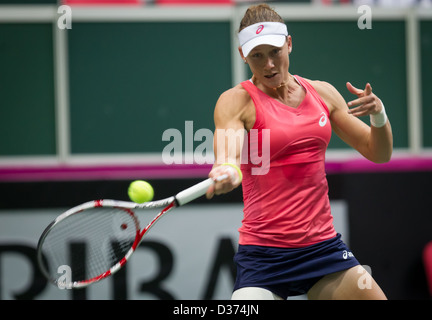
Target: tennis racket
{"points": [[95, 239]]}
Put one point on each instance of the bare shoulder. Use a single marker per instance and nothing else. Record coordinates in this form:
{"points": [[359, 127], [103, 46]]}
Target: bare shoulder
{"points": [[236, 97], [329, 94], [322, 87], [235, 104]]}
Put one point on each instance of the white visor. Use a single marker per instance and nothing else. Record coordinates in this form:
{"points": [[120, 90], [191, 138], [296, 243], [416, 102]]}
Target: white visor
{"points": [[271, 33]]}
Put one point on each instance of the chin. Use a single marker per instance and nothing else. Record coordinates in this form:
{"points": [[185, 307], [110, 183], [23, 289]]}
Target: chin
{"points": [[275, 82]]}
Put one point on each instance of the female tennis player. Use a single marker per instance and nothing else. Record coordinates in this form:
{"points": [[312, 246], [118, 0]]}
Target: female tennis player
{"points": [[287, 244]]}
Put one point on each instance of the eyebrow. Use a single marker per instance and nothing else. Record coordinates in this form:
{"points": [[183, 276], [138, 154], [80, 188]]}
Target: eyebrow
{"points": [[255, 50]]}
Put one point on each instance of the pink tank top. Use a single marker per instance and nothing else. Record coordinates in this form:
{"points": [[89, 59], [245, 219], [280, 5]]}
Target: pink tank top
{"points": [[285, 195]]}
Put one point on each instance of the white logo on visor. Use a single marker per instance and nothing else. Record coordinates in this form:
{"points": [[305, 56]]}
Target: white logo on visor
{"points": [[323, 120]]}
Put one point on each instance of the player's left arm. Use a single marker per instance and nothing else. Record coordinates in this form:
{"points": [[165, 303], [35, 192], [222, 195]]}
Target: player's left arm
{"points": [[374, 143]]}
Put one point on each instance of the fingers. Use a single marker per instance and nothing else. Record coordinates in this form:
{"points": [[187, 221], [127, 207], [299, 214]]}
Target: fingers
{"points": [[223, 184], [361, 101], [363, 110], [366, 103], [210, 192], [353, 89], [368, 89], [359, 92], [226, 179]]}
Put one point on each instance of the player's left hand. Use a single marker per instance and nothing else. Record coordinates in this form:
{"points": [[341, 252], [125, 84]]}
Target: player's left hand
{"points": [[367, 102]]}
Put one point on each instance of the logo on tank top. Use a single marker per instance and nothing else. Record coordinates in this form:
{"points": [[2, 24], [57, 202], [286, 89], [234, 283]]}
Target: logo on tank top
{"points": [[323, 120], [259, 29]]}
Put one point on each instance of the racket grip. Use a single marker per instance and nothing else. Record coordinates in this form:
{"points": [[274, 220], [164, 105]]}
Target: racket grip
{"points": [[196, 191]]}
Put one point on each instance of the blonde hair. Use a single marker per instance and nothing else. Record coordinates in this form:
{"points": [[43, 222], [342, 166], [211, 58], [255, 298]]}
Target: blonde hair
{"points": [[259, 13]]}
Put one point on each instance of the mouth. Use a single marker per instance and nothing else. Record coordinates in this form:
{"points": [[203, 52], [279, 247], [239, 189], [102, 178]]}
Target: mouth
{"points": [[270, 76]]}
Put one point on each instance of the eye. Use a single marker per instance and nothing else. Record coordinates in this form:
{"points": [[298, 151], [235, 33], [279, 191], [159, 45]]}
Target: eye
{"points": [[256, 55], [276, 51]]}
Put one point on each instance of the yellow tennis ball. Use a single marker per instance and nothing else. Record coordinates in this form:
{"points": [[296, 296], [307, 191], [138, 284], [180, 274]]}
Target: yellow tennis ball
{"points": [[140, 191]]}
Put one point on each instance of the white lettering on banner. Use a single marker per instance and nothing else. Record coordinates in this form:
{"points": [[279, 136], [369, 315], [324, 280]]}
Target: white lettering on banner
{"points": [[198, 240]]}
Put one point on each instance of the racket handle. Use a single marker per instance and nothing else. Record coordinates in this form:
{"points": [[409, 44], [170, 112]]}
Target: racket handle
{"points": [[196, 191]]}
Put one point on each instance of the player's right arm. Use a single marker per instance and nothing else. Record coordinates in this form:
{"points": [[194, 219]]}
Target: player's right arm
{"points": [[234, 112]]}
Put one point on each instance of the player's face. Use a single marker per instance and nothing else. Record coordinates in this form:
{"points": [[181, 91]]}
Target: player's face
{"points": [[270, 64]]}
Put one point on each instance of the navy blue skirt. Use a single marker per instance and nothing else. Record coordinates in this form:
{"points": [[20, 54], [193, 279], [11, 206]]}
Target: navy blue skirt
{"points": [[290, 271]]}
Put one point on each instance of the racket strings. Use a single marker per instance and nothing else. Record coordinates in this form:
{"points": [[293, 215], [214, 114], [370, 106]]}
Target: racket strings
{"points": [[89, 242]]}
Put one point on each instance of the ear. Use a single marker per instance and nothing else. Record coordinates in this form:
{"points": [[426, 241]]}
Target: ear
{"points": [[241, 53], [289, 42]]}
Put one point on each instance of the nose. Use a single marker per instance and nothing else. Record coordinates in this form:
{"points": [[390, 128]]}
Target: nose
{"points": [[269, 63]]}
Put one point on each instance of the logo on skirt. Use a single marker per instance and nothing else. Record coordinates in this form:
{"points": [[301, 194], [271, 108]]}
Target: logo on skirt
{"points": [[347, 254]]}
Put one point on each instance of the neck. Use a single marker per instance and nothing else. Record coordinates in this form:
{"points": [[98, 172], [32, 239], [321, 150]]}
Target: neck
{"points": [[286, 92], [284, 89]]}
